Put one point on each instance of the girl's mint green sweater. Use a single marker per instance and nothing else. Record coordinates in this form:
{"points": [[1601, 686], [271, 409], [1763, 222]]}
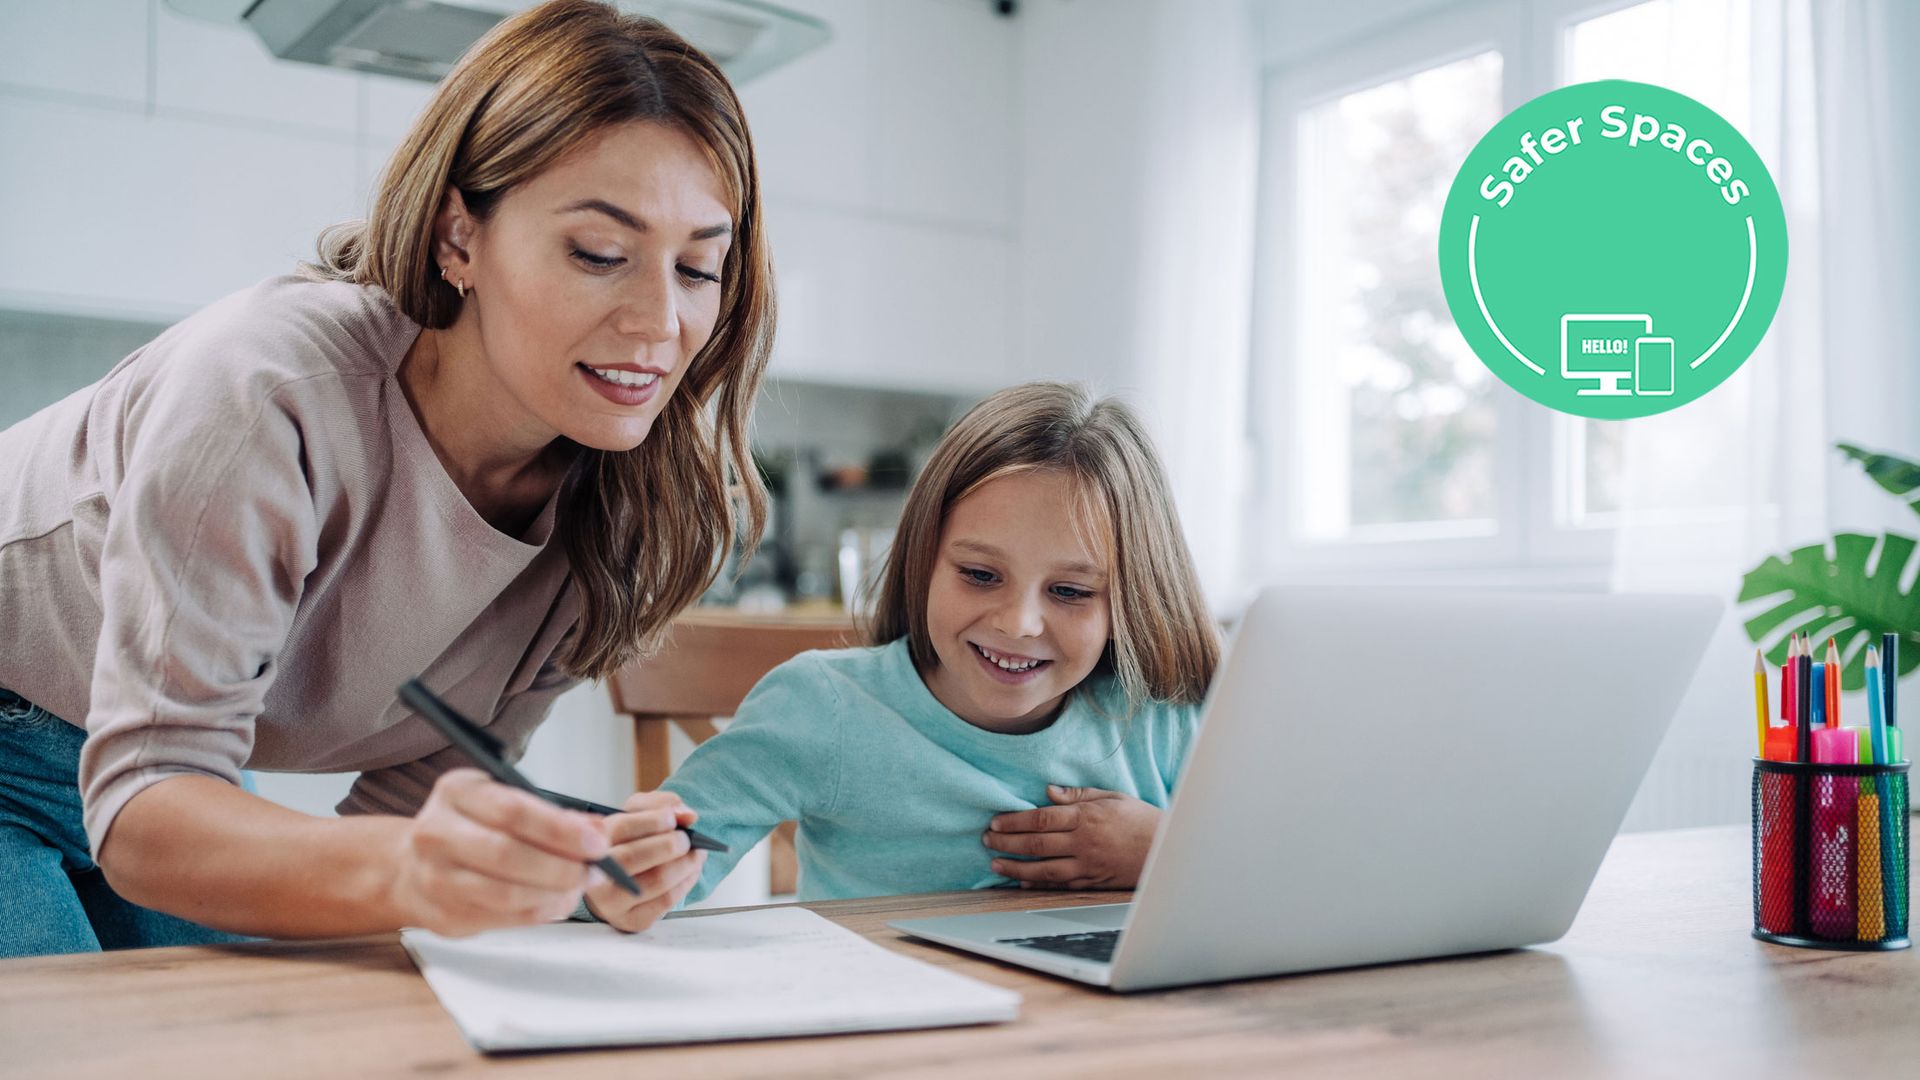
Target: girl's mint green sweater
{"points": [[891, 789]]}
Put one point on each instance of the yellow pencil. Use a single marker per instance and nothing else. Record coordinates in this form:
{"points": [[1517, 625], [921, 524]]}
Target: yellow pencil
{"points": [[1760, 697], [1872, 913]]}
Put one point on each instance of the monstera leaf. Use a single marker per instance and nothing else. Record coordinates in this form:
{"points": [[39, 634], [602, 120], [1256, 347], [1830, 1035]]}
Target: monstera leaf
{"points": [[1835, 596], [1898, 475]]}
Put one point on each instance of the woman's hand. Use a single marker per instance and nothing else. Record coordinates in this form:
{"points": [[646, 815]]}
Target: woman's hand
{"points": [[1089, 839], [481, 855], [649, 845]]}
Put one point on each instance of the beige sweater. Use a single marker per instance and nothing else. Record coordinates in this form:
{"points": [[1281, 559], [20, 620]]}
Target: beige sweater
{"points": [[233, 548]]}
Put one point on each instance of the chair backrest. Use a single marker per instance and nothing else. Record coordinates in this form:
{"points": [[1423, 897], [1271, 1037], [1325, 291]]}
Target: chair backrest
{"points": [[705, 668], [710, 661]]}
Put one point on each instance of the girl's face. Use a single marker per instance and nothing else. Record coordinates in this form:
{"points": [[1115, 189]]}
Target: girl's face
{"points": [[595, 283], [1017, 607]]}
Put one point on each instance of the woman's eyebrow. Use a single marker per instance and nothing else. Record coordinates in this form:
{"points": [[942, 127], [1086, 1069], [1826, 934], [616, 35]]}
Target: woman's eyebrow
{"points": [[708, 232]]}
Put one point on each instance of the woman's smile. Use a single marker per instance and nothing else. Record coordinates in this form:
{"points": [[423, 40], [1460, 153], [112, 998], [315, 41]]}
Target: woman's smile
{"points": [[623, 384]]}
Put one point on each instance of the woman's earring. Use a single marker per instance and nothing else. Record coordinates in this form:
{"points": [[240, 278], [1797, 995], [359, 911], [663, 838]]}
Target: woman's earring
{"points": [[461, 288]]}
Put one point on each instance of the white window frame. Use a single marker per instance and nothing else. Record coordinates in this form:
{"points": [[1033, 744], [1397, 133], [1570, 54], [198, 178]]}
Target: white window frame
{"points": [[1533, 541]]}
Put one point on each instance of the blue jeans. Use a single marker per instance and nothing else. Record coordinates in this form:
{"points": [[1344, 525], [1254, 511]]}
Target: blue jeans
{"points": [[57, 900]]}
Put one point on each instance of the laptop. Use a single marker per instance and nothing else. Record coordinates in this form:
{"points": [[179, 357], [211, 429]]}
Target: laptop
{"points": [[1383, 775]]}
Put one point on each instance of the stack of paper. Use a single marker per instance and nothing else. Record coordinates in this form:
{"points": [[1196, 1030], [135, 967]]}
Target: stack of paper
{"points": [[744, 975]]}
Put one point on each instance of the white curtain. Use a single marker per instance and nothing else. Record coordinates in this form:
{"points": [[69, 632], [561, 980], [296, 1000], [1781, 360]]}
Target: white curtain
{"points": [[1835, 118], [1188, 372], [1137, 204]]}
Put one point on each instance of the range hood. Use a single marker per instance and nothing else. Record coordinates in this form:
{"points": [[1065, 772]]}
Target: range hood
{"points": [[421, 39]]}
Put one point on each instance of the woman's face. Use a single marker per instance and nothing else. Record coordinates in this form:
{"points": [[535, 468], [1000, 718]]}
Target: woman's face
{"points": [[594, 284], [1018, 606]]}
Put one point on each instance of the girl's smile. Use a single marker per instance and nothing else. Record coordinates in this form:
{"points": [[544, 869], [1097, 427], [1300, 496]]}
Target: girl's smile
{"points": [[1008, 668]]}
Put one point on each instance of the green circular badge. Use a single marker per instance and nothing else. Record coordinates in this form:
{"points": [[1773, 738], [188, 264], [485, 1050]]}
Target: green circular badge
{"points": [[1613, 249]]}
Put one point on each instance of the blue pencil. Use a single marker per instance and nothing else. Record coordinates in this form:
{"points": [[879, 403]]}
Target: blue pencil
{"points": [[1819, 694], [1890, 667], [1876, 708]]}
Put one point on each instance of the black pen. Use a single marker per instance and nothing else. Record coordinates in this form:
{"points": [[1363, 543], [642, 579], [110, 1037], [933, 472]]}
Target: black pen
{"points": [[698, 840], [483, 750]]}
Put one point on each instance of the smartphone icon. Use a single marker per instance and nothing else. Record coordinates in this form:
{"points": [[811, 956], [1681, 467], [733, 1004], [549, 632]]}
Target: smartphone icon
{"points": [[1653, 366]]}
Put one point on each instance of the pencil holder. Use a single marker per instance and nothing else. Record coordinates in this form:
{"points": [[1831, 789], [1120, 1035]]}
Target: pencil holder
{"points": [[1830, 855]]}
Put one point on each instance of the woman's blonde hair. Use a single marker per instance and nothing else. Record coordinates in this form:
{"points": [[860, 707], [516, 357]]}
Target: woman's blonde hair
{"points": [[645, 529], [1165, 646]]}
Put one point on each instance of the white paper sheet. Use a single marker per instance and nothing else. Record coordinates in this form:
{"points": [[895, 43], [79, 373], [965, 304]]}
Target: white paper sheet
{"points": [[743, 975]]}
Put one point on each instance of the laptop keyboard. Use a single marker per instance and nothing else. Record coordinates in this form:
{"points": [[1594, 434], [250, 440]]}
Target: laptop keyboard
{"points": [[1092, 945]]}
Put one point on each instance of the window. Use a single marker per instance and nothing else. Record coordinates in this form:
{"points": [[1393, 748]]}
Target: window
{"points": [[1400, 410], [1703, 49], [1384, 443]]}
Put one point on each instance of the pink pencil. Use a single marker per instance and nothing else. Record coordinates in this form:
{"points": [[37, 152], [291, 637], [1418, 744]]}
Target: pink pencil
{"points": [[1786, 679]]}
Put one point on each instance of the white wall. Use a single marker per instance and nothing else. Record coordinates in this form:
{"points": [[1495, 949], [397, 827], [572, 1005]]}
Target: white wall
{"points": [[1139, 137], [1292, 31], [1081, 148]]}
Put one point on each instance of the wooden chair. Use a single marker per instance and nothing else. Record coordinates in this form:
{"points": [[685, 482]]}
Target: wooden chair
{"points": [[709, 662]]}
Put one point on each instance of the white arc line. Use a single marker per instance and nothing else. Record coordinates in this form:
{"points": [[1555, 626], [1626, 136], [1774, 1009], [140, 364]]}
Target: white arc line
{"points": [[1753, 260], [1473, 274]]}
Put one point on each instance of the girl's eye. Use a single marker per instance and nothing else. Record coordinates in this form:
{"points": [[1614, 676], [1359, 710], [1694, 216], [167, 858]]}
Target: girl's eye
{"points": [[699, 277], [1068, 592], [597, 262], [977, 577]]}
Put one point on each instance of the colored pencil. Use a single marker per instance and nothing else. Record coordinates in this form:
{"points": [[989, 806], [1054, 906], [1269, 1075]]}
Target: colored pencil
{"points": [[1834, 674], [1890, 675], [1803, 708], [1887, 859], [1876, 707], [1786, 679]]}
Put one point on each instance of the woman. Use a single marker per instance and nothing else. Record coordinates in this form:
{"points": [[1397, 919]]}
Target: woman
{"points": [[485, 439]]}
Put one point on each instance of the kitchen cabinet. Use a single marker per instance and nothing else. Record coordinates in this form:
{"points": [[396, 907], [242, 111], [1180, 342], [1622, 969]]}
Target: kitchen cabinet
{"points": [[888, 165], [156, 163], [224, 71], [878, 303], [97, 49], [105, 211]]}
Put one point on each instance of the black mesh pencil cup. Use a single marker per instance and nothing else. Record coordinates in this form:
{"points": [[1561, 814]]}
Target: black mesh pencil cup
{"points": [[1830, 855]]}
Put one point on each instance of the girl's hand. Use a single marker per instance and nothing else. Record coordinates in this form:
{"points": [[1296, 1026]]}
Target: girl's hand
{"points": [[1089, 839], [648, 844], [481, 855]]}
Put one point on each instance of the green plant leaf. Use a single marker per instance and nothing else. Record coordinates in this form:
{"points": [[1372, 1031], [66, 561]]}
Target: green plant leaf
{"points": [[1835, 597], [1898, 475]]}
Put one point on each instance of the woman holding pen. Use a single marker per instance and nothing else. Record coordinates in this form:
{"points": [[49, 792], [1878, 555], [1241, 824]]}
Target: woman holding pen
{"points": [[491, 435]]}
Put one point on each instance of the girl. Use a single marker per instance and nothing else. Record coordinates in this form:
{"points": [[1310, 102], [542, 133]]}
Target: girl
{"points": [[1040, 649], [486, 437]]}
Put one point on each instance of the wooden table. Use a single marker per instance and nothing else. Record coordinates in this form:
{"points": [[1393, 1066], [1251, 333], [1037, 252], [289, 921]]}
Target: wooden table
{"points": [[1657, 978]]}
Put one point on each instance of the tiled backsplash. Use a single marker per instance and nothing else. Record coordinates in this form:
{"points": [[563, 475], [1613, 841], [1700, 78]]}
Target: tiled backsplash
{"points": [[43, 358]]}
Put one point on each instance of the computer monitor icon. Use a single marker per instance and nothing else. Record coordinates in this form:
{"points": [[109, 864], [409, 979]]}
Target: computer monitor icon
{"points": [[1601, 348]]}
